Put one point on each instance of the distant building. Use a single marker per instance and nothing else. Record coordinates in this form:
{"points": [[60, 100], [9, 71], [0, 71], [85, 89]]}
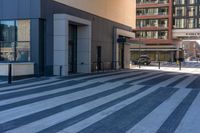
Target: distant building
{"points": [[162, 24], [154, 29], [191, 50]]}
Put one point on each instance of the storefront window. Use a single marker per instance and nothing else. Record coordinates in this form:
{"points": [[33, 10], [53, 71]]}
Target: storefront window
{"points": [[15, 40]]}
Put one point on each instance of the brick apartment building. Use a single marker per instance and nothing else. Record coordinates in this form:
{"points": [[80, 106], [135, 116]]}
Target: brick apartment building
{"points": [[163, 24]]}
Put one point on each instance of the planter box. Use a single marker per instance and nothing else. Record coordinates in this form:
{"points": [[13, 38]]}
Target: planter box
{"points": [[18, 69]]}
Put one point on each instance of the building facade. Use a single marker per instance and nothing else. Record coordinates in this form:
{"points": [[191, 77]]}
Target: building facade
{"points": [[186, 19], [163, 24], [64, 36], [186, 26], [154, 29]]}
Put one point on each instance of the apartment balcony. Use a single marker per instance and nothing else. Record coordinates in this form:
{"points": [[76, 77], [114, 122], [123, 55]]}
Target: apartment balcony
{"points": [[152, 2], [151, 5], [152, 28], [157, 16]]}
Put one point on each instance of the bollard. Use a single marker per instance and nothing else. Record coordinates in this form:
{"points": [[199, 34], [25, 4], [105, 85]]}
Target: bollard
{"points": [[10, 74], [60, 71], [159, 65], [179, 65], [139, 65]]}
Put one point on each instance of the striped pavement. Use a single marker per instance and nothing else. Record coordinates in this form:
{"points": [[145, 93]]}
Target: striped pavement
{"points": [[129, 101]]}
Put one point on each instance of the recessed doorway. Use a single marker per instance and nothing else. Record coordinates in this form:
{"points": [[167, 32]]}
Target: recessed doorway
{"points": [[72, 49]]}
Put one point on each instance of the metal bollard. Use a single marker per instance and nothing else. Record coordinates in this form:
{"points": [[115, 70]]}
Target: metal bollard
{"points": [[179, 65], [10, 74], [60, 71], [159, 65]]}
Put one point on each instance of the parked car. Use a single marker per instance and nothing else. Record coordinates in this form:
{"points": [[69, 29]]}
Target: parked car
{"points": [[143, 60]]}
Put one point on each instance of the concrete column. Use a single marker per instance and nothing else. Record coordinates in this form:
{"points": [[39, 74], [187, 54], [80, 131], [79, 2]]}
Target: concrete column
{"points": [[84, 49], [36, 45], [127, 56], [60, 45], [172, 56], [116, 63]]}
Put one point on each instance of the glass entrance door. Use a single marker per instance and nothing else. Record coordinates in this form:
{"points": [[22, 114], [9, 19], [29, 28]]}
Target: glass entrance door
{"points": [[72, 49], [121, 56], [99, 63]]}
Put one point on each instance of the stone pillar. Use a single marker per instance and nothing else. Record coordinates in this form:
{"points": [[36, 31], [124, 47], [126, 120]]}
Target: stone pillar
{"points": [[60, 45], [84, 49], [127, 56]]}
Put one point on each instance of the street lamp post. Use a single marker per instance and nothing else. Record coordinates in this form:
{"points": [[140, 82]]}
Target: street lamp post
{"points": [[140, 45]]}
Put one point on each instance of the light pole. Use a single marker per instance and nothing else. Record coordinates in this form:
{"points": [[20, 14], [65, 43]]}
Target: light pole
{"points": [[139, 46]]}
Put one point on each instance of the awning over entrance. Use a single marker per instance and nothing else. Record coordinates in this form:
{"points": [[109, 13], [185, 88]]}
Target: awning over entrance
{"points": [[128, 41], [137, 49], [143, 47], [140, 46]]}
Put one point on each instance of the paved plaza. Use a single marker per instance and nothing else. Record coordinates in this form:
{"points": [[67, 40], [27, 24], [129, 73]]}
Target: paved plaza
{"points": [[186, 67], [129, 101]]}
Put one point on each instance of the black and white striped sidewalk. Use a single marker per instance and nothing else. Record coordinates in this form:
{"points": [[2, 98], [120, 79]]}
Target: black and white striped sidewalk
{"points": [[132, 101]]}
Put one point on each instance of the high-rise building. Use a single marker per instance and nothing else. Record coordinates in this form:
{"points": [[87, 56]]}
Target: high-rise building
{"points": [[161, 25], [186, 14], [154, 29], [186, 25], [186, 19]]}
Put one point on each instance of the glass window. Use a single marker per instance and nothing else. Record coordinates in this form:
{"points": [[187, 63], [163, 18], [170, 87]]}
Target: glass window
{"points": [[7, 33], [192, 1], [192, 10], [180, 11], [163, 34], [163, 23], [15, 40], [152, 34], [199, 23], [180, 23], [151, 1], [179, 1], [191, 23]]}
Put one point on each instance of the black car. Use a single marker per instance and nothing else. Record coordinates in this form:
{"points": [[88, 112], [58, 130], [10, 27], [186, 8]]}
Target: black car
{"points": [[143, 60]]}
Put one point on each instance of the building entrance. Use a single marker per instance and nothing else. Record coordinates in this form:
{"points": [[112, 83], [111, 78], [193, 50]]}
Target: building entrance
{"points": [[99, 59], [72, 49], [121, 56]]}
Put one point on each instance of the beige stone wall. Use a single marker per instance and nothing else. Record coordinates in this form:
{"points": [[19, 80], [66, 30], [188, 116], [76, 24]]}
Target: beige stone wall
{"points": [[121, 11]]}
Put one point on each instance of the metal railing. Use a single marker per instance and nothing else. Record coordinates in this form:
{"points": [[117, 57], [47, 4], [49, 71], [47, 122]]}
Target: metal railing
{"points": [[153, 2]]}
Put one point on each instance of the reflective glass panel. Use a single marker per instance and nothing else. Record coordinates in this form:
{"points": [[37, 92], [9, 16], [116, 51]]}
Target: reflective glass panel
{"points": [[15, 40]]}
